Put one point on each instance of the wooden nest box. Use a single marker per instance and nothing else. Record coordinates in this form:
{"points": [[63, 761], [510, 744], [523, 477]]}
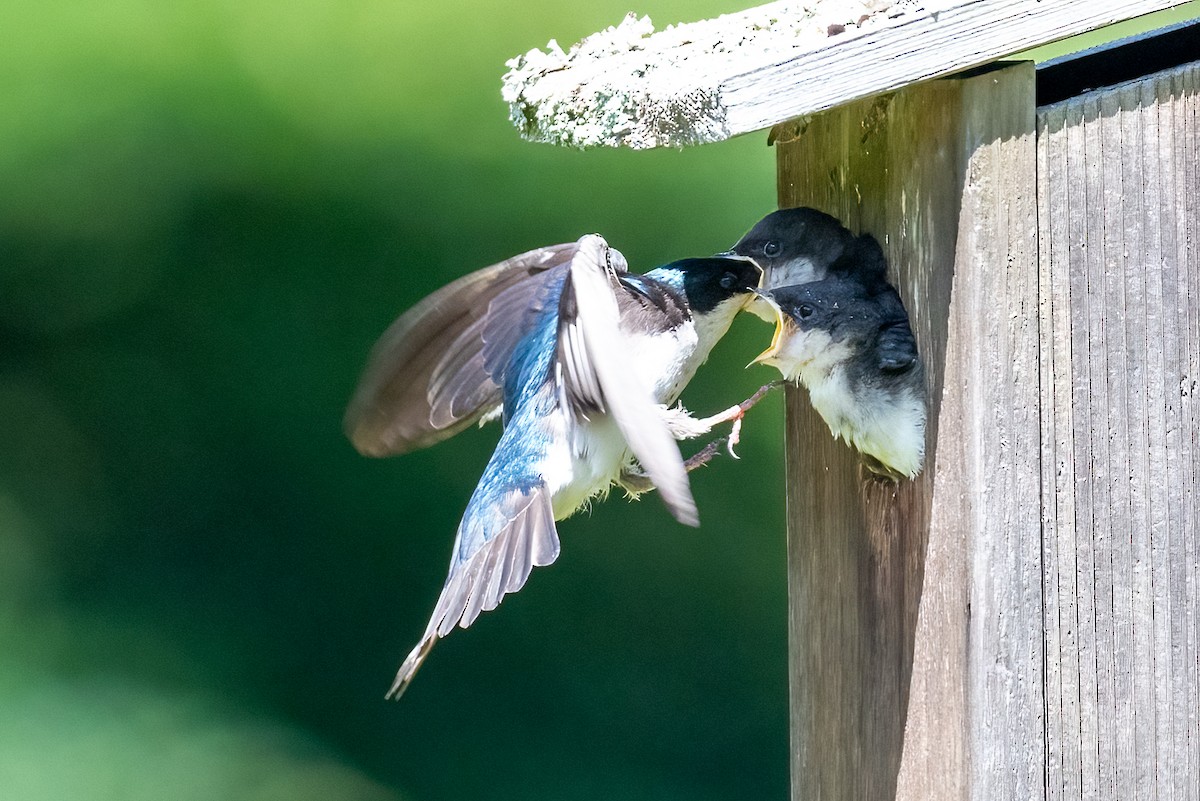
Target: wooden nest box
{"points": [[1023, 620]]}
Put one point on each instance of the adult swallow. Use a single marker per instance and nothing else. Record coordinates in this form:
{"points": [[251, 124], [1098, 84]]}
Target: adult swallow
{"points": [[851, 346], [582, 361]]}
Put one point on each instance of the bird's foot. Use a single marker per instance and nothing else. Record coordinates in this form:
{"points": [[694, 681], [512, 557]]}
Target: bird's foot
{"points": [[704, 455], [735, 414], [634, 481]]}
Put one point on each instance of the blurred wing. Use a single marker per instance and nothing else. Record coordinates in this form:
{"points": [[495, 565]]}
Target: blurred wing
{"points": [[425, 379], [470, 377], [494, 553], [591, 377]]}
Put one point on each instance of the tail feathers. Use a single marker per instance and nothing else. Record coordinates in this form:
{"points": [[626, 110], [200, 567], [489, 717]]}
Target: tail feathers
{"points": [[410, 667], [486, 567]]}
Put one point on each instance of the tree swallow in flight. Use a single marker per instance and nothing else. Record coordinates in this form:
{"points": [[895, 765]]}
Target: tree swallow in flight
{"points": [[582, 360]]}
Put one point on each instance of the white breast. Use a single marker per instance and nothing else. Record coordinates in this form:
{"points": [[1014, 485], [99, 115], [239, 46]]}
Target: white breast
{"points": [[665, 362], [575, 468], [578, 469], [889, 427]]}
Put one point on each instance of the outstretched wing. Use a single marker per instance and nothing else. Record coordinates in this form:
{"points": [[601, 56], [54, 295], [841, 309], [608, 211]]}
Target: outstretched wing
{"points": [[426, 379], [494, 553], [592, 377]]}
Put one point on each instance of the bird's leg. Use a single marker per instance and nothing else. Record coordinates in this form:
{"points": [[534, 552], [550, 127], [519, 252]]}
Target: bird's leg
{"points": [[634, 481], [683, 425], [704, 455], [736, 413]]}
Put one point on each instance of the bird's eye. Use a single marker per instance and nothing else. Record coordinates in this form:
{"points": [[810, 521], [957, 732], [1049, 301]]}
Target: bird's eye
{"points": [[805, 310], [729, 281], [771, 249]]}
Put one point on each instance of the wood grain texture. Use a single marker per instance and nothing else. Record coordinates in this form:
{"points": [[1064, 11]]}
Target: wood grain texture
{"points": [[1119, 201], [997, 271], [1022, 621], [710, 80], [916, 608]]}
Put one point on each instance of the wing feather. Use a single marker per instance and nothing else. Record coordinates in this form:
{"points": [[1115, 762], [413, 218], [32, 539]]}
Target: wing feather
{"points": [[895, 346], [392, 411], [493, 556], [459, 384], [510, 315]]}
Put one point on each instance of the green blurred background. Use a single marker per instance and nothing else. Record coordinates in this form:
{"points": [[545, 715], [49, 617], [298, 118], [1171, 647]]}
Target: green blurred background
{"points": [[208, 212]]}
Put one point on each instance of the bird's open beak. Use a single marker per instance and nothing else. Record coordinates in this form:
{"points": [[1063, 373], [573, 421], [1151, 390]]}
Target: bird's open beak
{"points": [[762, 305]]}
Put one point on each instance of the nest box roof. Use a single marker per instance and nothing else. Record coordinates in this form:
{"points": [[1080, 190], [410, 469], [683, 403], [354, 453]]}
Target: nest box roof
{"points": [[699, 82]]}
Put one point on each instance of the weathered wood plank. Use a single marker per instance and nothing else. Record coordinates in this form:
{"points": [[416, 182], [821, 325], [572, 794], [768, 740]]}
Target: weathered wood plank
{"points": [[848, 671], [1118, 204], [1143, 335], [1064, 773], [997, 246], [943, 175], [707, 81], [1107, 362], [1086, 478], [1157, 155], [1185, 89]]}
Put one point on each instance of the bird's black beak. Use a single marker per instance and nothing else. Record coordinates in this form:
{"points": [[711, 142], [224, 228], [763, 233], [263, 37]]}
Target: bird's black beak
{"points": [[733, 254]]}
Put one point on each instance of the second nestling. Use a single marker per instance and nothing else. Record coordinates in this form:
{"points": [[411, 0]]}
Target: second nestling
{"points": [[843, 333]]}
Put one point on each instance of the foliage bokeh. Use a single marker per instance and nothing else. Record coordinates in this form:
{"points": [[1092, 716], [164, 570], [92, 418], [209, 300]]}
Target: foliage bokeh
{"points": [[208, 211]]}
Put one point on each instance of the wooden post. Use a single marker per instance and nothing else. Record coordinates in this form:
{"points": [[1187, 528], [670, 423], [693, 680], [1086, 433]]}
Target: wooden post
{"points": [[942, 573], [1021, 622], [1119, 220]]}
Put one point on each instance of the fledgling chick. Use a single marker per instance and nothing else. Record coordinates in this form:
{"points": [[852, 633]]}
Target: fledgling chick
{"points": [[581, 359], [854, 351], [799, 245]]}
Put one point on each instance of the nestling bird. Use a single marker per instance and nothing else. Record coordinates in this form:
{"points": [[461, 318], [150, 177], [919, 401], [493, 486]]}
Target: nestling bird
{"points": [[842, 332], [798, 245], [582, 360], [854, 351]]}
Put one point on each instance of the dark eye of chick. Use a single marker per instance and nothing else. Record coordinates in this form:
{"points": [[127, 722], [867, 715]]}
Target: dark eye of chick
{"points": [[771, 249], [805, 311], [728, 281]]}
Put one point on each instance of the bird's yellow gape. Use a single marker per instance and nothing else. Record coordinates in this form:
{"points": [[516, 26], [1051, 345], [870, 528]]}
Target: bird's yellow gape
{"points": [[756, 307]]}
